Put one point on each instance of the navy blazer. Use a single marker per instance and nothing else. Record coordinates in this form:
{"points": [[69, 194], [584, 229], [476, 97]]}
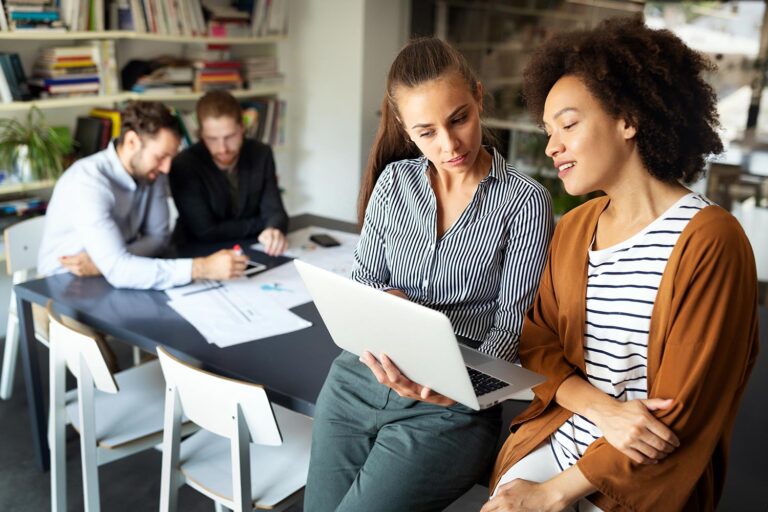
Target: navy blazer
{"points": [[202, 195]]}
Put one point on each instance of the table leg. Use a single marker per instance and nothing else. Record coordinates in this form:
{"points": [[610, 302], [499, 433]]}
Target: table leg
{"points": [[33, 384]]}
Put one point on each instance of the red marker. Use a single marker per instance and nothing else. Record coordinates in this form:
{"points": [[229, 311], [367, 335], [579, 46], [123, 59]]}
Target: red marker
{"points": [[238, 250]]}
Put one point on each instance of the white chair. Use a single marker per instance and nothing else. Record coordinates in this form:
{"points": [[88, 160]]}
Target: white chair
{"points": [[121, 416], [248, 453], [22, 243]]}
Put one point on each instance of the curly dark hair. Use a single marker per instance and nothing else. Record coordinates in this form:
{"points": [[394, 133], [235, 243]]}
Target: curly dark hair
{"points": [[147, 118], [648, 77]]}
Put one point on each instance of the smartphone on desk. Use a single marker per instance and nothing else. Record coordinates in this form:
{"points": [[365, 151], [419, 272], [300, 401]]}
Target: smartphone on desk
{"points": [[254, 267], [324, 240]]}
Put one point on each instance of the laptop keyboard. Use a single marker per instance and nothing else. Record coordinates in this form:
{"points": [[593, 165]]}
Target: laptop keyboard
{"points": [[484, 383]]}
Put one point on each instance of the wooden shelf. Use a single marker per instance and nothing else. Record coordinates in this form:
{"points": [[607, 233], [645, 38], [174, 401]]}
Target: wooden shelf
{"points": [[109, 99], [15, 188], [42, 35]]}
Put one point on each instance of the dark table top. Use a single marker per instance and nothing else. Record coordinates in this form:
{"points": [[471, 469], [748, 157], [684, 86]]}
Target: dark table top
{"points": [[292, 367]]}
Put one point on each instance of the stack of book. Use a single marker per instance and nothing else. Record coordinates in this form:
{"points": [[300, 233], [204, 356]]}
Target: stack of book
{"points": [[167, 79], [217, 75], [226, 21], [13, 80], [66, 71], [216, 69], [261, 71], [30, 15]]}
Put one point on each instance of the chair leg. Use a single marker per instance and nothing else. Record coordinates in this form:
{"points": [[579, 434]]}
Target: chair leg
{"points": [[241, 465], [57, 425], [10, 355], [88, 447], [170, 476]]}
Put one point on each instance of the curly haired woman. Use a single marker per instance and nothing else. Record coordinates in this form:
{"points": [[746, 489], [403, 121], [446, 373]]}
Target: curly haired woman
{"points": [[645, 322]]}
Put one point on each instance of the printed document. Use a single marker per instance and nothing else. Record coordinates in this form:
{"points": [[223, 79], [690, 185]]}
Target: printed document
{"points": [[227, 316]]}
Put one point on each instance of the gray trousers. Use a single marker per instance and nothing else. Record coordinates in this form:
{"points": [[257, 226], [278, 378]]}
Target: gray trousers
{"points": [[375, 451]]}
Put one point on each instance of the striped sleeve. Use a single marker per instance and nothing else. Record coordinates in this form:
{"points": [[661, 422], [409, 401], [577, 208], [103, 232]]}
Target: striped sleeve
{"points": [[370, 266], [523, 264]]}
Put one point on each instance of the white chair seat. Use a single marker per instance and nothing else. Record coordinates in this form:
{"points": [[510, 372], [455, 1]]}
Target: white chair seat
{"points": [[135, 412], [277, 472]]}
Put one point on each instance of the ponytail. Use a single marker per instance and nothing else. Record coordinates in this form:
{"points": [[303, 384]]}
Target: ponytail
{"points": [[391, 144]]}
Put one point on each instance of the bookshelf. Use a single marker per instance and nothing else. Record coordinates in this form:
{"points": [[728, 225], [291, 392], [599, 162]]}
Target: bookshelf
{"points": [[128, 45], [109, 99], [127, 35], [19, 188]]}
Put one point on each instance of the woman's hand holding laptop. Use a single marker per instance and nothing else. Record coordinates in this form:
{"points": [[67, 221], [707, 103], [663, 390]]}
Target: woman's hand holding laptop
{"points": [[388, 374]]}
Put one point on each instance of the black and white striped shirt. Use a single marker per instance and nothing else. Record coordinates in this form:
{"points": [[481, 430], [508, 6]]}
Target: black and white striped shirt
{"points": [[483, 272], [622, 284]]}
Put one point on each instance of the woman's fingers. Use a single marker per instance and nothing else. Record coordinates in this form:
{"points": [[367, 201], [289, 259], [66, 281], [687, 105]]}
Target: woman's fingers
{"points": [[393, 372], [368, 360]]}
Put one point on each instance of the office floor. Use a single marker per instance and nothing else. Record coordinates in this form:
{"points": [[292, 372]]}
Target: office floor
{"points": [[133, 484]]}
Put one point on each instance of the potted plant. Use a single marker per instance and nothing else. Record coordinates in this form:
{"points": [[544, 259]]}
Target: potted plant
{"points": [[34, 149]]}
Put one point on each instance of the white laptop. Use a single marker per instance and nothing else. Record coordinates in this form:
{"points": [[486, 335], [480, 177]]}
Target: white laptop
{"points": [[419, 340]]}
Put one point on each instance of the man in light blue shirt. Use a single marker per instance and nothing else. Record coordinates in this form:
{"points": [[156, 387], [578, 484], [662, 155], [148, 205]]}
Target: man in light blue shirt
{"points": [[109, 212]]}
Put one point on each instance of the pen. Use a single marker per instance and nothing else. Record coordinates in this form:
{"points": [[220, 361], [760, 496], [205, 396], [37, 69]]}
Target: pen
{"points": [[238, 250]]}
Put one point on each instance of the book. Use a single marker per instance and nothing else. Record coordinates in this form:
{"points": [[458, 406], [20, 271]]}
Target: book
{"points": [[3, 19], [72, 79], [17, 84], [81, 72], [88, 135], [22, 85], [5, 88], [112, 115], [106, 132], [34, 16]]}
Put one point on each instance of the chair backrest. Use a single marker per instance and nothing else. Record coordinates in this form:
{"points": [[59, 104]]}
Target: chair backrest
{"points": [[212, 401], [22, 243], [720, 177], [77, 347]]}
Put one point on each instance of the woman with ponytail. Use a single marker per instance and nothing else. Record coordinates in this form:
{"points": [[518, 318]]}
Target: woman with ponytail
{"points": [[448, 224]]}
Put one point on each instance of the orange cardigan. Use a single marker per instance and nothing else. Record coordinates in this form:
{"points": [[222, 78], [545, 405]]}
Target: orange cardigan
{"points": [[702, 345]]}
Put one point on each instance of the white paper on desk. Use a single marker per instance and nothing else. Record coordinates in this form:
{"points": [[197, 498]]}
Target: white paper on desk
{"points": [[225, 317], [335, 259], [192, 288], [282, 285]]}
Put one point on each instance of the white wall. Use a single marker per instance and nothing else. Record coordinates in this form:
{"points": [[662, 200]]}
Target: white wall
{"points": [[338, 55], [385, 32]]}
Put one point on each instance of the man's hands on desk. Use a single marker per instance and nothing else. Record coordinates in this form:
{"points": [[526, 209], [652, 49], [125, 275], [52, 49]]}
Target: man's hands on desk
{"points": [[274, 241], [221, 265], [80, 264]]}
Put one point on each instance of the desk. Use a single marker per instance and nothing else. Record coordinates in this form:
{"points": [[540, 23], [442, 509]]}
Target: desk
{"points": [[292, 367], [754, 162]]}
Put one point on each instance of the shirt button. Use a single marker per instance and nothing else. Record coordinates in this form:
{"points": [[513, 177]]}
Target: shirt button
{"points": [[425, 283]]}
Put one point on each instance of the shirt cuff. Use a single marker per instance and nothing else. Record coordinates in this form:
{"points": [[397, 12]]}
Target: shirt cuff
{"points": [[182, 272]]}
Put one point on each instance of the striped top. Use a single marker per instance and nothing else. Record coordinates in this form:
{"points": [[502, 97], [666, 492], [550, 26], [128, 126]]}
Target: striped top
{"points": [[621, 290], [485, 269]]}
